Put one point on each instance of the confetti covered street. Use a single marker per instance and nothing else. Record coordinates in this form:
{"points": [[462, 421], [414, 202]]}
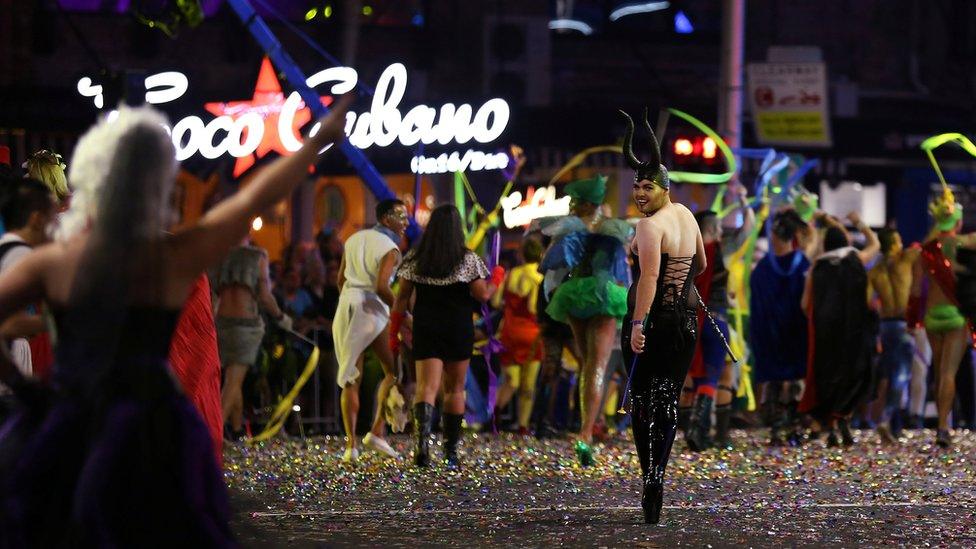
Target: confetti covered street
{"points": [[515, 491]]}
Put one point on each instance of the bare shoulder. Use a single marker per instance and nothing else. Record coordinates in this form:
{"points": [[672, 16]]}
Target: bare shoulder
{"points": [[56, 264], [56, 254], [685, 215], [648, 225], [682, 208]]}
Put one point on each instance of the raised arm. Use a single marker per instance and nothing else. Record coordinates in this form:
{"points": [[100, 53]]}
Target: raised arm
{"points": [[967, 240], [809, 238], [872, 246], [229, 221], [22, 324]]}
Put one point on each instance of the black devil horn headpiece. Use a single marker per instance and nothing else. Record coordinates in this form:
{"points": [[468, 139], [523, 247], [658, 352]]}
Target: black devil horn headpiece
{"points": [[652, 170]]}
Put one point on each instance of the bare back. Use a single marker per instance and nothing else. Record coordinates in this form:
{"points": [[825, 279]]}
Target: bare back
{"points": [[49, 274], [891, 279], [671, 231], [678, 231]]}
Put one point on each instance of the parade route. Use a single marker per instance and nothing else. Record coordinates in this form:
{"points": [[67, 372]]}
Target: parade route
{"points": [[520, 491]]}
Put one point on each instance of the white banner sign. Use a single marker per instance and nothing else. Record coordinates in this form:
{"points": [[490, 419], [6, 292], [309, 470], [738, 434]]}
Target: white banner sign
{"points": [[789, 103]]}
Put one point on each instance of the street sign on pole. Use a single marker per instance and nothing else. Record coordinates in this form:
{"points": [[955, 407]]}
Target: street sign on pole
{"points": [[789, 103]]}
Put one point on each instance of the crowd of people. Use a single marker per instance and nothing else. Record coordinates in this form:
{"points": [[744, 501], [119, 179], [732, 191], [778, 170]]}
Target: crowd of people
{"points": [[595, 323]]}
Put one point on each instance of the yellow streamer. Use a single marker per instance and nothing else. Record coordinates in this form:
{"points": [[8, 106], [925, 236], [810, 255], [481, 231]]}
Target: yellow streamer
{"points": [[738, 264], [937, 141], [283, 408], [578, 159]]}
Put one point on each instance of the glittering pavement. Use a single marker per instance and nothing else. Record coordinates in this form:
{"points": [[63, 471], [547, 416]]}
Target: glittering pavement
{"points": [[515, 491]]}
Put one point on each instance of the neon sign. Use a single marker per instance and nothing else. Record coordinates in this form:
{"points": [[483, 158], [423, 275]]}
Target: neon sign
{"points": [[517, 212], [248, 130], [470, 161]]}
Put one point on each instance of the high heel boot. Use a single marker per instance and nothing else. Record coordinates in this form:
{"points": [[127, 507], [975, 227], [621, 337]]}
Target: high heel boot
{"points": [[698, 434], [423, 417], [452, 435], [723, 416], [655, 425]]}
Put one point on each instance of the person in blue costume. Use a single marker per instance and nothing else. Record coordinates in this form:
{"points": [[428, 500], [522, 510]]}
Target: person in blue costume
{"points": [[778, 325], [593, 300], [117, 456]]}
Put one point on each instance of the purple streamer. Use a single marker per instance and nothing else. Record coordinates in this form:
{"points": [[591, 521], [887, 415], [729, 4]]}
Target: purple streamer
{"points": [[509, 171], [493, 346]]}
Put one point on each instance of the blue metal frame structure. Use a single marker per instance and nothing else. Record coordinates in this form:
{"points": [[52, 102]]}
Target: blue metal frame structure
{"points": [[256, 25]]}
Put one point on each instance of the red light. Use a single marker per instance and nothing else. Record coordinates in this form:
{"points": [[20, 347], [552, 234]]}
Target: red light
{"points": [[709, 148], [683, 147]]}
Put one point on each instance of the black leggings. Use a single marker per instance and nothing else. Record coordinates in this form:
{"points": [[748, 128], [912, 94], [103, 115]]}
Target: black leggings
{"points": [[669, 346], [655, 385]]}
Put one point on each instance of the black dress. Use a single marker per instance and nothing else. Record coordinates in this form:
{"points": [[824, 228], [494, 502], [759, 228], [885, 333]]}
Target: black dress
{"points": [[442, 313]]}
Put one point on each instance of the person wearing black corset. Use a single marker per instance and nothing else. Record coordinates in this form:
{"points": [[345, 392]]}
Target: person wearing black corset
{"points": [[661, 316]]}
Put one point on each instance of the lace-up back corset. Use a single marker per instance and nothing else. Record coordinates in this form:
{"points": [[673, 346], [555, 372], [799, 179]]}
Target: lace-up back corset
{"points": [[674, 283], [672, 326]]}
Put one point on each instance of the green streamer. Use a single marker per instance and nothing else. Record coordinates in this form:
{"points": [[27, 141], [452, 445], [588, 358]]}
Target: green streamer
{"points": [[706, 178]]}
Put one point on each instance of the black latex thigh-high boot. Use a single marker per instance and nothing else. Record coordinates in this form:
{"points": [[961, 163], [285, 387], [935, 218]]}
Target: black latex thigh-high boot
{"points": [[662, 429], [640, 415]]}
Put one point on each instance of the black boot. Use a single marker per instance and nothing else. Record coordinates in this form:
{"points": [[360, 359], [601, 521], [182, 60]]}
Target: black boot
{"points": [[642, 417], [723, 415], [845, 432], [655, 424], [773, 411], [699, 430], [791, 423], [832, 441], [684, 418], [684, 412], [423, 417], [452, 435]]}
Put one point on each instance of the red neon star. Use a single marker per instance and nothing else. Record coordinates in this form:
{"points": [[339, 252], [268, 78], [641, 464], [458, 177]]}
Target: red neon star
{"points": [[267, 101]]}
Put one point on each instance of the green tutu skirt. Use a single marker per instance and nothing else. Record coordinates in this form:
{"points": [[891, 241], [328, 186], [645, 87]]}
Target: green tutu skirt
{"points": [[588, 297]]}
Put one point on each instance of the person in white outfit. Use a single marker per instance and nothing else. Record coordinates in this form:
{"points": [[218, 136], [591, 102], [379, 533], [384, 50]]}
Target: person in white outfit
{"points": [[27, 210], [369, 263]]}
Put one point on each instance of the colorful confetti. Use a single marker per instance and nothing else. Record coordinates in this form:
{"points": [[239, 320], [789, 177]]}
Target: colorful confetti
{"points": [[528, 492]]}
